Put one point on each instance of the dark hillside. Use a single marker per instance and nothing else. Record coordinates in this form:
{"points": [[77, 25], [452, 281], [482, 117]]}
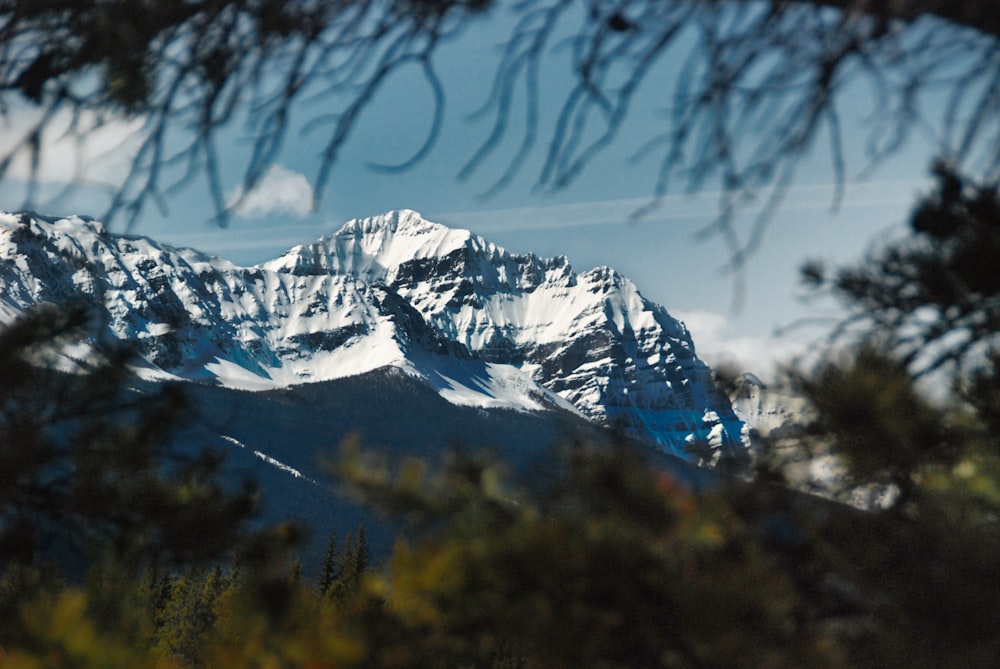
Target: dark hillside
{"points": [[389, 412]]}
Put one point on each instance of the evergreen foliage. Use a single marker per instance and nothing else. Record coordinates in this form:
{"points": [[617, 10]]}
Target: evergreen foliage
{"points": [[83, 465], [342, 569], [189, 613], [932, 297], [329, 569]]}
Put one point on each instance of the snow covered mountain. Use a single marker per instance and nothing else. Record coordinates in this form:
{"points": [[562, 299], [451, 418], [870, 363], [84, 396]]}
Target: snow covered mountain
{"points": [[767, 413], [481, 326], [776, 425]]}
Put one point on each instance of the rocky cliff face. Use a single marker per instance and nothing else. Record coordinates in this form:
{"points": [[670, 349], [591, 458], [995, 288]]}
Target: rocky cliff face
{"points": [[480, 325]]}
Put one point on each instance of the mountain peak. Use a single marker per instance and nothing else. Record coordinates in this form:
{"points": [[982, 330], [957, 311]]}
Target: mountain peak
{"points": [[372, 248], [398, 220], [53, 225], [750, 379], [401, 235]]}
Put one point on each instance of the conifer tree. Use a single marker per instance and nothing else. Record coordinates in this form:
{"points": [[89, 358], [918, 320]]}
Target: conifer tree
{"points": [[362, 555], [190, 612], [329, 569]]}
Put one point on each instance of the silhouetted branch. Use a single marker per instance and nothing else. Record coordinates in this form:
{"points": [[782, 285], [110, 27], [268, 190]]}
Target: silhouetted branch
{"points": [[748, 87]]}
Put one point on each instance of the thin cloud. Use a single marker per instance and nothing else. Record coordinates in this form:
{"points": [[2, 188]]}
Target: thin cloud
{"points": [[280, 191], [701, 206], [719, 344], [87, 147], [274, 239]]}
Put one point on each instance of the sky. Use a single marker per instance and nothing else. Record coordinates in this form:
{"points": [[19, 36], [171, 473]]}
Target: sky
{"points": [[589, 221]]}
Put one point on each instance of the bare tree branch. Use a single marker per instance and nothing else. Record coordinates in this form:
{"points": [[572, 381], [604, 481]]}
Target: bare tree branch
{"points": [[749, 87]]}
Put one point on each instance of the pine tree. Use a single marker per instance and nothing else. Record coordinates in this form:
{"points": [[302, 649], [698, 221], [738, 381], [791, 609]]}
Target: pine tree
{"points": [[190, 612], [330, 569], [295, 573], [362, 556], [343, 569], [344, 585]]}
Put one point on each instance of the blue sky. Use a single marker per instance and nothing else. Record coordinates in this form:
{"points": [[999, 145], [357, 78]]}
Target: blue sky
{"points": [[588, 221]]}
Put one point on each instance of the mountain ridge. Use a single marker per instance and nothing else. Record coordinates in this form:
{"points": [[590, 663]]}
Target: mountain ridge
{"points": [[480, 325]]}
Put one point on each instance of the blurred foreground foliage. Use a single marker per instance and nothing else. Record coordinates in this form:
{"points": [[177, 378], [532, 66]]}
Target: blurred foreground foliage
{"points": [[84, 462], [611, 564], [606, 561]]}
